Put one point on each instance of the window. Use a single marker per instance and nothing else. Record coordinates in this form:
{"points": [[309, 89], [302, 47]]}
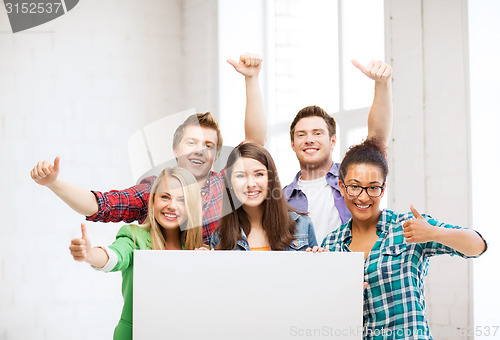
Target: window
{"points": [[308, 46], [313, 44]]}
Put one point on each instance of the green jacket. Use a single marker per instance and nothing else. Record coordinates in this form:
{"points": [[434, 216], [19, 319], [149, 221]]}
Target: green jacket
{"points": [[129, 238]]}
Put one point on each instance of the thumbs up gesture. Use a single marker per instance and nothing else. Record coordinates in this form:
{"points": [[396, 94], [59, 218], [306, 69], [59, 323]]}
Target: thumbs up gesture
{"points": [[45, 173], [376, 70], [418, 230], [80, 247], [249, 64]]}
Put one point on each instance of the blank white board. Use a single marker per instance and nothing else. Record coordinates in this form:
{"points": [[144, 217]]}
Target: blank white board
{"points": [[247, 295]]}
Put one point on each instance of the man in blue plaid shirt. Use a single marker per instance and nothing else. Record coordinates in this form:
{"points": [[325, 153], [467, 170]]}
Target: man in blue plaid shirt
{"points": [[397, 247]]}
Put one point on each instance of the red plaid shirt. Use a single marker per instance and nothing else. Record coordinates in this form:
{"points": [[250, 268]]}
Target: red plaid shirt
{"points": [[131, 204]]}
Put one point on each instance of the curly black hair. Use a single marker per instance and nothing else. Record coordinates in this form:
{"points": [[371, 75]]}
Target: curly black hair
{"points": [[368, 152]]}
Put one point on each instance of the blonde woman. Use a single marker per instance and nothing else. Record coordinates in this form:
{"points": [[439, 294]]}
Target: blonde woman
{"points": [[173, 223]]}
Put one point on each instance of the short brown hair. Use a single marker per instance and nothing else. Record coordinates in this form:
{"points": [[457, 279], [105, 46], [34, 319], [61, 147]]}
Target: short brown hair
{"points": [[205, 120], [314, 111]]}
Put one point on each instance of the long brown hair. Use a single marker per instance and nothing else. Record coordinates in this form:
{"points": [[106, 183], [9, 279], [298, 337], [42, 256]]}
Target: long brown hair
{"points": [[191, 230], [276, 222]]}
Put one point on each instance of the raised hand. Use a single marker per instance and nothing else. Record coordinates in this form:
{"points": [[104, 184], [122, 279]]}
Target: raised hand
{"points": [[418, 230], [45, 173], [249, 64], [80, 247], [376, 70]]}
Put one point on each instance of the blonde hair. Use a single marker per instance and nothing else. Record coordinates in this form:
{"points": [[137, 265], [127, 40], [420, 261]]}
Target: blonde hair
{"points": [[191, 230]]}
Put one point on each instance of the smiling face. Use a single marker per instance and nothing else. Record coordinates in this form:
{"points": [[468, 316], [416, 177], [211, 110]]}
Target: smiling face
{"points": [[196, 150], [363, 207], [249, 181], [169, 204], [312, 143]]}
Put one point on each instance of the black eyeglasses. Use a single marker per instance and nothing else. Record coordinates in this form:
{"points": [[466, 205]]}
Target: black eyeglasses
{"points": [[356, 190]]}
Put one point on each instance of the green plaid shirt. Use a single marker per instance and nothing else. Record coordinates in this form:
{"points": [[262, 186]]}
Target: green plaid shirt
{"points": [[394, 303]]}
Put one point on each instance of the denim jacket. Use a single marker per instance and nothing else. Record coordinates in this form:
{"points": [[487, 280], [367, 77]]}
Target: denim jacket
{"points": [[304, 235], [298, 200]]}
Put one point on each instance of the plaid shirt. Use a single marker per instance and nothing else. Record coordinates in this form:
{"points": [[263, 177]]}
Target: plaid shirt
{"points": [[131, 204], [394, 304]]}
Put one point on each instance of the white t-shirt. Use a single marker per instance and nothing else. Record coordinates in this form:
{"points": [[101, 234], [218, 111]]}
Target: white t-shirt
{"points": [[321, 206]]}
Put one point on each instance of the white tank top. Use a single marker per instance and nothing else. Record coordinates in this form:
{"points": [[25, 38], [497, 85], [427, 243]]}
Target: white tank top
{"points": [[321, 206]]}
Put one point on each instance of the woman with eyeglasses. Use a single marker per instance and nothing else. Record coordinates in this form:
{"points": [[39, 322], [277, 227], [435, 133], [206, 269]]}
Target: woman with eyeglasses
{"points": [[396, 247]]}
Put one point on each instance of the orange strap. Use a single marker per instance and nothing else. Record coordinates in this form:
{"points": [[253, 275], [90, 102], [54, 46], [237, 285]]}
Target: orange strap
{"points": [[268, 248]]}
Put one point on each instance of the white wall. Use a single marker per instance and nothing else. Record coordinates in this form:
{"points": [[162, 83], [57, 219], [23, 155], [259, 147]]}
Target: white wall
{"points": [[430, 150], [199, 53], [485, 146], [75, 87]]}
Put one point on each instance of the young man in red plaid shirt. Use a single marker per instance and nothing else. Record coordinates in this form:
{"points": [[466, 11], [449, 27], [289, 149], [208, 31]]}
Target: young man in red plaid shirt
{"points": [[197, 144]]}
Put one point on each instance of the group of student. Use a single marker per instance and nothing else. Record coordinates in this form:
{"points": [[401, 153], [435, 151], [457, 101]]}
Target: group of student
{"points": [[244, 207]]}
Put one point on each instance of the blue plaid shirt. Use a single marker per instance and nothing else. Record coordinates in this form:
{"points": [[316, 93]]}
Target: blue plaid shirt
{"points": [[394, 304]]}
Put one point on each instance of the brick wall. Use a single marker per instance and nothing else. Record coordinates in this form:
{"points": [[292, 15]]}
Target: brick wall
{"points": [[75, 87]]}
